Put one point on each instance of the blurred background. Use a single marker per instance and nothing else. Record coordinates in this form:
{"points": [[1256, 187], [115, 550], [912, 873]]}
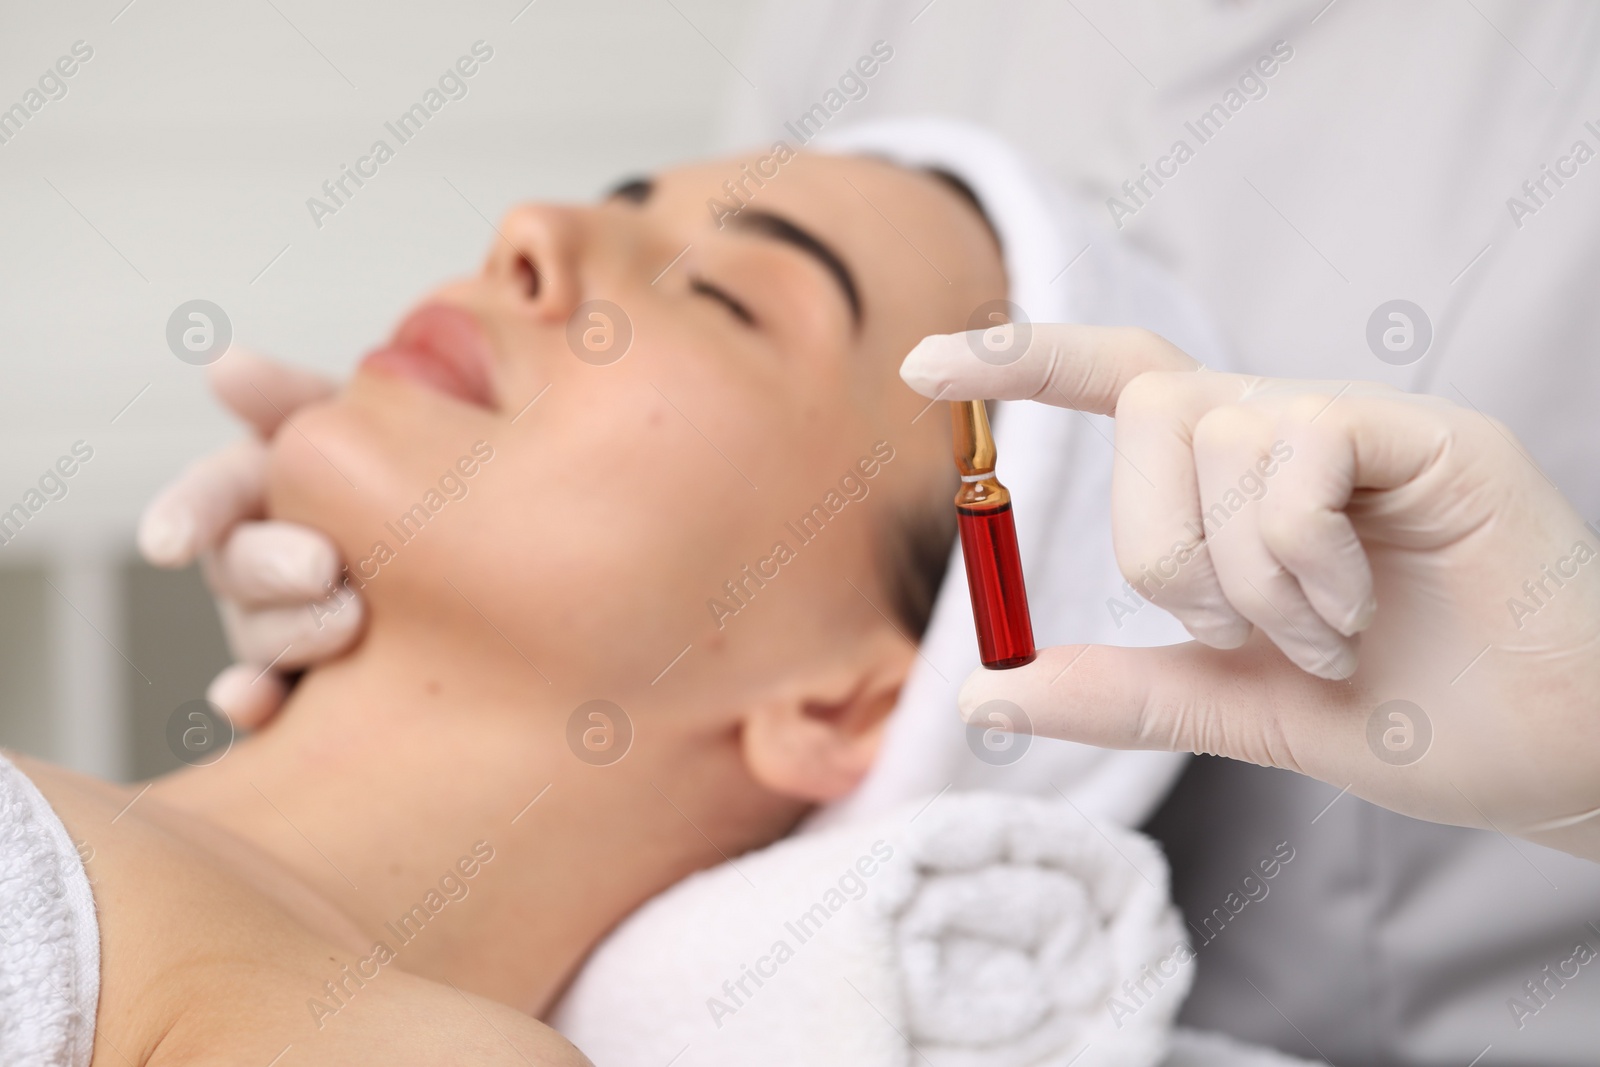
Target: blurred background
{"points": [[176, 167]]}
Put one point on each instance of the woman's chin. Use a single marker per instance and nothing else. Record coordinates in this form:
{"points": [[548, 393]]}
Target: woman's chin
{"points": [[332, 470]]}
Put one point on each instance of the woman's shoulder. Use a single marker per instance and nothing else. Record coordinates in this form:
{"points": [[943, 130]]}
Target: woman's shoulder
{"points": [[199, 964]]}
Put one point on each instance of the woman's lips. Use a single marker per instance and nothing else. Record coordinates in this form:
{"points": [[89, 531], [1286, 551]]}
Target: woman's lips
{"points": [[443, 348]]}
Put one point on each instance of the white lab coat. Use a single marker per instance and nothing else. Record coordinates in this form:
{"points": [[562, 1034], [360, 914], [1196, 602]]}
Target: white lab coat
{"points": [[1380, 163]]}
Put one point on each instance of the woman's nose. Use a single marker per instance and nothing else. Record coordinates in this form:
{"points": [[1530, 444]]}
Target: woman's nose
{"points": [[535, 259]]}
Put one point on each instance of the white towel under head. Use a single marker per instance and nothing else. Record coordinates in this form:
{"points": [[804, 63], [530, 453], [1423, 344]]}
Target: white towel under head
{"points": [[979, 931], [49, 935], [1061, 267]]}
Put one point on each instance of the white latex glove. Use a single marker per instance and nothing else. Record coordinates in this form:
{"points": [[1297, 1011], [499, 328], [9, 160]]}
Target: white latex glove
{"points": [[274, 581], [1404, 519]]}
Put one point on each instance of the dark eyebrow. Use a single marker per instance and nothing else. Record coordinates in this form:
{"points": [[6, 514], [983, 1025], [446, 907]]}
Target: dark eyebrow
{"points": [[634, 190], [779, 228]]}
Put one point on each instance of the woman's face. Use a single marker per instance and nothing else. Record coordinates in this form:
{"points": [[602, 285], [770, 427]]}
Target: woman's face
{"points": [[503, 457]]}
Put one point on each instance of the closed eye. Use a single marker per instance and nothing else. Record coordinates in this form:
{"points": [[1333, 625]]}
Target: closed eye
{"points": [[721, 296]]}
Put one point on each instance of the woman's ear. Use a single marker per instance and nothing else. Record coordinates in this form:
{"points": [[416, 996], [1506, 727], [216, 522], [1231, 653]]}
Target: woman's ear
{"points": [[817, 738]]}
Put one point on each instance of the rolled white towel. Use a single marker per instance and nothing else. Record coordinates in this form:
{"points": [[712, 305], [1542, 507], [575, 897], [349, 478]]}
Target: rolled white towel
{"points": [[1019, 924], [979, 929]]}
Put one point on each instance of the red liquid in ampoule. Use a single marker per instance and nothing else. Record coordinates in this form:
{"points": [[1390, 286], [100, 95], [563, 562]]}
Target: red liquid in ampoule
{"points": [[994, 575]]}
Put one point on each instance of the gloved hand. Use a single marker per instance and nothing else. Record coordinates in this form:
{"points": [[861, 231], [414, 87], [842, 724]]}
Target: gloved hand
{"points": [[1362, 546], [276, 583]]}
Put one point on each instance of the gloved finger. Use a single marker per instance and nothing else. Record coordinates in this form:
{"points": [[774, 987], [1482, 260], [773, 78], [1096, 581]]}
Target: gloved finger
{"points": [[273, 564], [1305, 526], [247, 695], [214, 493], [1067, 365], [1373, 442], [264, 392], [1158, 527], [1233, 453], [1249, 704], [287, 638]]}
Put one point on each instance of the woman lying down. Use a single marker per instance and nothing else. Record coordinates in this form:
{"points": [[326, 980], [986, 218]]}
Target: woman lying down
{"points": [[762, 371], [591, 515]]}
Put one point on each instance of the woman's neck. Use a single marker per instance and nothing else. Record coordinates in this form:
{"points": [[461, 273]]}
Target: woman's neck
{"points": [[426, 789]]}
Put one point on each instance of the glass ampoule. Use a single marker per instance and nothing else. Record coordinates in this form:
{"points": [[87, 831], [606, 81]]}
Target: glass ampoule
{"points": [[989, 544]]}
